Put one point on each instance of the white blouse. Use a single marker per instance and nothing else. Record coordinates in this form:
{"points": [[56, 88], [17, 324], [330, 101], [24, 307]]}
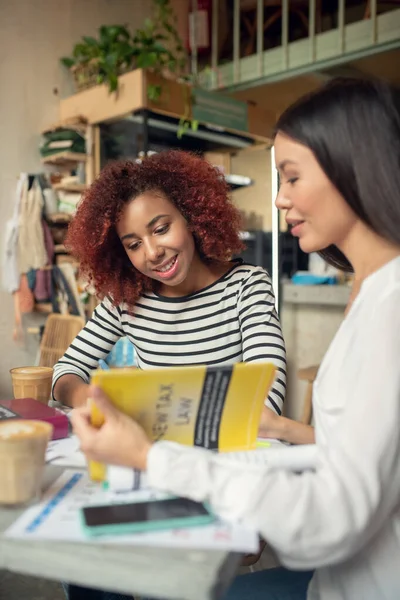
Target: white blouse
{"points": [[343, 518]]}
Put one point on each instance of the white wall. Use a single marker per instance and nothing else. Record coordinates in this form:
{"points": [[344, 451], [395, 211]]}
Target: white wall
{"points": [[34, 34]]}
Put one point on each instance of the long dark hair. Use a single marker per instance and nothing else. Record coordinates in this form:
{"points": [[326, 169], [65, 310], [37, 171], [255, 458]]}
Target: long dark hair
{"points": [[353, 128]]}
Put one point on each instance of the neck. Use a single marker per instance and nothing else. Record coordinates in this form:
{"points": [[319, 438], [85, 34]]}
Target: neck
{"points": [[367, 251]]}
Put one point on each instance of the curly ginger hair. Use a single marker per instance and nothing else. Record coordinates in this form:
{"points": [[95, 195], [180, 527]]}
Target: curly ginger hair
{"points": [[195, 187]]}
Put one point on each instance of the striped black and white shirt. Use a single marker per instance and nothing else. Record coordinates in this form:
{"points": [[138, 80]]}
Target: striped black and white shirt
{"points": [[232, 320]]}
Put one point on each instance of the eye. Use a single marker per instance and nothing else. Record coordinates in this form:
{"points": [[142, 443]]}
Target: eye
{"points": [[292, 180], [161, 230], [134, 246]]}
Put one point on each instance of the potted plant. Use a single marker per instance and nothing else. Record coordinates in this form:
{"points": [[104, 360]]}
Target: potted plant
{"points": [[155, 46]]}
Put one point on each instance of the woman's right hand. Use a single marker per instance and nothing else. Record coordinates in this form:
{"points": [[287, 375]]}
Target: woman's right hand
{"points": [[119, 441]]}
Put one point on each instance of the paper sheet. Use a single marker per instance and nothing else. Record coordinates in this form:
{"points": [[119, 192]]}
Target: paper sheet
{"points": [[65, 453], [56, 517]]}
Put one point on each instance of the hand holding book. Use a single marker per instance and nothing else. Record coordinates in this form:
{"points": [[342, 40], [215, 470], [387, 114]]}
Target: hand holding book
{"points": [[120, 440], [218, 408]]}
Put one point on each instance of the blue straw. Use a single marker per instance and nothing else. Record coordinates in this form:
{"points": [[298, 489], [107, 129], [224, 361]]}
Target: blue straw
{"points": [[103, 365]]}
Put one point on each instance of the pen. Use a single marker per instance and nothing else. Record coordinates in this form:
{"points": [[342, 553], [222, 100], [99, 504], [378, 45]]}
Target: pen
{"points": [[262, 444]]}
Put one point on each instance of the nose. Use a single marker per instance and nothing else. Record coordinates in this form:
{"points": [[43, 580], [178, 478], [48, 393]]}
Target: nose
{"points": [[153, 251], [282, 202]]}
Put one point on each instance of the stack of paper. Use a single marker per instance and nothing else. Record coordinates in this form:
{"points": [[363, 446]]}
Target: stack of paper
{"points": [[56, 517]]}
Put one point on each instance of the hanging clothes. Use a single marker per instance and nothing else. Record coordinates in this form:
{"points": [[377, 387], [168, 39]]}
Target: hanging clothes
{"points": [[11, 273], [62, 298], [31, 248], [42, 287]]}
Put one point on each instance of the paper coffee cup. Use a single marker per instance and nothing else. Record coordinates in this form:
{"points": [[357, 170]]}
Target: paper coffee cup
{"points": [[32, 382], [22, 457]]}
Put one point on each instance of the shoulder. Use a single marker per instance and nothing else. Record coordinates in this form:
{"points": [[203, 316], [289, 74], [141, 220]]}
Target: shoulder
{"points": [[245, 275], [379, 297], [108, 305]]}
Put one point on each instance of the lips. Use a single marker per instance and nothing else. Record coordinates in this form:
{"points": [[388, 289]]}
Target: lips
{"points": [[295, 226], [168, 269], [166, 266]]}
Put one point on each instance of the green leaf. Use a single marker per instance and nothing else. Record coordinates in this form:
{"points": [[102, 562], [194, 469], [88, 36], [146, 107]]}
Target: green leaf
{"points": [[111, 33], [182, 127], [146, 60], [113, 82], [90, 41], [195, 125], [154, 92], [67, 62], [111, 60], [159, 47]]}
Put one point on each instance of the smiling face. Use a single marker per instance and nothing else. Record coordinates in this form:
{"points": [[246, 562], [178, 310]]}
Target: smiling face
{"points": [[156, 239], [315, 211]]}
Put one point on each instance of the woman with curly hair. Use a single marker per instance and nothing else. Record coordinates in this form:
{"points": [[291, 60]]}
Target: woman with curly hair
{"points": [[156, 239]]}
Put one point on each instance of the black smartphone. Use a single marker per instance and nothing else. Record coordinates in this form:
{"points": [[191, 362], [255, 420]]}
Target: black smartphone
{"points": [[168, 513]]}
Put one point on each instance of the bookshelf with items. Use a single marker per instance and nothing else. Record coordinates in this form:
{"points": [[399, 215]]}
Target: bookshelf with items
{"points": [[67, 156]]}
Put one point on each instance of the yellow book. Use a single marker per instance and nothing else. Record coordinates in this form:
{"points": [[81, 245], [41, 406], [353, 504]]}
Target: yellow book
{"points": [[213, 407]]}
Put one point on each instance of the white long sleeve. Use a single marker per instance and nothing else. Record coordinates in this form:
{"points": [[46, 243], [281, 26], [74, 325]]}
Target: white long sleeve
{"points": [[348, 508]]}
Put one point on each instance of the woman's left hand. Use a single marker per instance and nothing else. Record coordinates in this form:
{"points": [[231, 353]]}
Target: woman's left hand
{"points": [[271, 424], [119, 441]]}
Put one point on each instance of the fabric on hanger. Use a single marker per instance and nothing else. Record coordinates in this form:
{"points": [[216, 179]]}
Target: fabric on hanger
{"points": [[11, 273], [42, 289], [31, 248], [60, 290]]}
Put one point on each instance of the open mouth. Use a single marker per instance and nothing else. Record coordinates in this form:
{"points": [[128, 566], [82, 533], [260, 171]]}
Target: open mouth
{"points": [[168, 269], [295, 226]]}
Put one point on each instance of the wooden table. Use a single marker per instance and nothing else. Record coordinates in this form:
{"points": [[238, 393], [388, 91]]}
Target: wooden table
{"points": [[151, 572]]}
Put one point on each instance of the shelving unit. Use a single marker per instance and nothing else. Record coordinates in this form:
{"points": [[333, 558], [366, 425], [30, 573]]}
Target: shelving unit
{"points": [[59, 218], [44, 307], [223, 113], [127, 125], [64, 158], [238, 181], [72, 187]]}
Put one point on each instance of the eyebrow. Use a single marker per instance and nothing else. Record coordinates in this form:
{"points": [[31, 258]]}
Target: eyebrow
{"points": [[284, 163], [149, 225]]}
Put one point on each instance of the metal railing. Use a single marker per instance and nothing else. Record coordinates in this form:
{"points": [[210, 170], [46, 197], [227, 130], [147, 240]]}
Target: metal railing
{"points": [[213, 69]]}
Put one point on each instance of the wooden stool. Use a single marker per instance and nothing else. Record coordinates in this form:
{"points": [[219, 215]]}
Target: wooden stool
{"points": [[309, 374]]}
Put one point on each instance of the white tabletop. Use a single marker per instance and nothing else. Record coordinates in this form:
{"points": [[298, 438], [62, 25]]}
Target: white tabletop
{"points": [[166, 573]]}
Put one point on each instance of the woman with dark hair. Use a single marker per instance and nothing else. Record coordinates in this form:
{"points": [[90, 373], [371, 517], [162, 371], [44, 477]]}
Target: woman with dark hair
{"points": [[338, 155]]}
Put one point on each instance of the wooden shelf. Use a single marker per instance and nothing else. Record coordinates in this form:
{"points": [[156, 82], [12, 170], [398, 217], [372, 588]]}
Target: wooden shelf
{"points": [[76, 123], [238, 181], [70, 187], [59, 218], [97, 105], [62, 158]]}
